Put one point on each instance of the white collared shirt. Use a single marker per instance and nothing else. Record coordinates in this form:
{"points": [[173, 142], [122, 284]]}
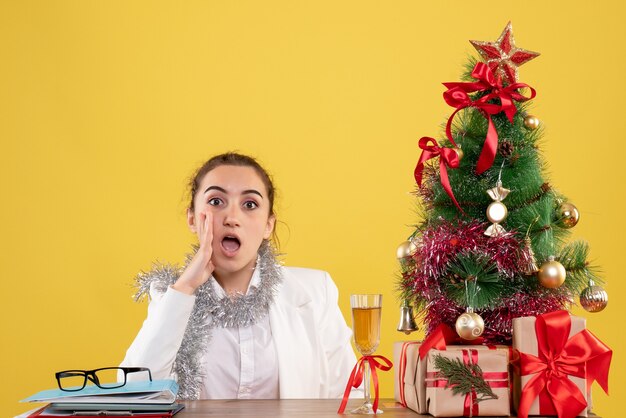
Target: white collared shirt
{"points": [[241, 362]]}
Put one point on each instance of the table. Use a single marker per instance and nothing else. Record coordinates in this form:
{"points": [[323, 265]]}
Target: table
{"points": [[322, 408]]}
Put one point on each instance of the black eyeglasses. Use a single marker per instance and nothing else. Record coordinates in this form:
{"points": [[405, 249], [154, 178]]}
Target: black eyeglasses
{"points": [[105, 378]]}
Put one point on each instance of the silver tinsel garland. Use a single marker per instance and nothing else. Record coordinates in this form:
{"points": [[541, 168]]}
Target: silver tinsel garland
{"points": [[210, 311]]}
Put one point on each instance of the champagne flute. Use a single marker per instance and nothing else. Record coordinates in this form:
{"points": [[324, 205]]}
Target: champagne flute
{"points": [[366, 313]]}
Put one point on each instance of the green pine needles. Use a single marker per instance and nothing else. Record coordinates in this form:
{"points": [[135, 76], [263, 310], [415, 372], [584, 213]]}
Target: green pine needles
{"points": [[473, 281], [463, 378]]}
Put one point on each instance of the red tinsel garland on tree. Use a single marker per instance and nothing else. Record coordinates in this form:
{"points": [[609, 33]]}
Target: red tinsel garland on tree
{"points": [[498, 321], [439, 245]]}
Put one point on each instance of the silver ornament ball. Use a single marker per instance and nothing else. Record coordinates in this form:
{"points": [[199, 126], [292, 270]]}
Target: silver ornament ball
{"points": [[594, 299]]}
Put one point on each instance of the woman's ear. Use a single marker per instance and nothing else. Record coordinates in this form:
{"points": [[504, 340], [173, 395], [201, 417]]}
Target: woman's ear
{"points": [[191, 221], [269, 227]]}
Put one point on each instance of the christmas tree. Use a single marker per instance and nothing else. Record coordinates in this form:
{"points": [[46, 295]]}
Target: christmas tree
{"points": [[493, 244]]}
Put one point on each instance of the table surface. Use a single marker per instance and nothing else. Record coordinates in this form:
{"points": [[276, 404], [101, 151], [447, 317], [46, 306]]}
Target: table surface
{"points": [[285, 408], [323, 408]]}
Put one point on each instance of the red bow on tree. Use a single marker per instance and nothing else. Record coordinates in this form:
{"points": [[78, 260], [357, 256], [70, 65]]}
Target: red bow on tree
{"points": [[448, 157], [458, 97], [582, 356]]}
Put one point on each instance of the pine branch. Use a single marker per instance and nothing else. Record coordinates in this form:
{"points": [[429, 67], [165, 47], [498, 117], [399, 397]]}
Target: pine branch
{"points": [[463, 378], [574, 258], [483, 287]]}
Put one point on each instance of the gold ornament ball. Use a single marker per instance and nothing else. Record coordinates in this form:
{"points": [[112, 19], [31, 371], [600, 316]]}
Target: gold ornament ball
{"points": [[531, 122], [594, 299], [459, 153], [551, 274], [497, 212], [470, 326], [406, 249], [568, 215]]}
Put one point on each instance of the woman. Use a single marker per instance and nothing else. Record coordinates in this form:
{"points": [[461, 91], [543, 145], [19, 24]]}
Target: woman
{"points": [[232, 323]]}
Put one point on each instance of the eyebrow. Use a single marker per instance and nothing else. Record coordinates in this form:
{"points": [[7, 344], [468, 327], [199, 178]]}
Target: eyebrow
{"points": [[249, 191]]}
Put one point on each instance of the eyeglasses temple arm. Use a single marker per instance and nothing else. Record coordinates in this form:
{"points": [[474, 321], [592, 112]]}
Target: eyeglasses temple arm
{"points": [[138, 369]]}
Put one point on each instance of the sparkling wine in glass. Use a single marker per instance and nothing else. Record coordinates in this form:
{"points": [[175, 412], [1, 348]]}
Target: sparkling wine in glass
{"points": [[366, 313]]}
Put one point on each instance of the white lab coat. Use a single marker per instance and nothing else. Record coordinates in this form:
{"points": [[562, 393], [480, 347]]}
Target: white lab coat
{"points": [[311, 337]]}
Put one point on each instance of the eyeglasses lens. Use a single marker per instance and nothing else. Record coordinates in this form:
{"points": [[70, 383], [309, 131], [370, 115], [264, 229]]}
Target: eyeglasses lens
{"points": [[107, 378], [72, 380]]}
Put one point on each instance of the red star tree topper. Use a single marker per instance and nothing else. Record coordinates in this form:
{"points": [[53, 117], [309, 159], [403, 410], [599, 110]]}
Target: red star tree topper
{"points": [[502, 56]]}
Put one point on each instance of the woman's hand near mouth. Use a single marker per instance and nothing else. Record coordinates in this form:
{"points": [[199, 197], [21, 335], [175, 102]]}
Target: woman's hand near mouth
{"points": [[201, 267]]}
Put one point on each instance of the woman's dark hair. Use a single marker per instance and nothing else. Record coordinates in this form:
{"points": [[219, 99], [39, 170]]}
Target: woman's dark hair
{"points": [[231, 158], [240, 160]]}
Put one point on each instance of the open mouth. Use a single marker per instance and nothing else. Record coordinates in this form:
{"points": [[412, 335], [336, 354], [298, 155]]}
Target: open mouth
{"points": [[231, 244]]}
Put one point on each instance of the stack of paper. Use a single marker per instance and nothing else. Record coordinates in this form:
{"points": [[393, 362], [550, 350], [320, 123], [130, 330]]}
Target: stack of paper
{"points": [[138, 399]]}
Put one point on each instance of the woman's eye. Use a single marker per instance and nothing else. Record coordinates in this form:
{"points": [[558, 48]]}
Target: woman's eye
{"points": [[215, 201], [250, 205]]}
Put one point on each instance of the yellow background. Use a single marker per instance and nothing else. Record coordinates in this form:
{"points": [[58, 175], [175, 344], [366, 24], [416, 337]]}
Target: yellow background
{"points": [[107, 107]]}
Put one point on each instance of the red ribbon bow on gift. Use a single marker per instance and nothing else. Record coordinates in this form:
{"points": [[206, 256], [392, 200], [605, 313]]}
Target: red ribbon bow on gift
{"points": [[356, 378], [458, 97], [441, 337], [448, 157], [583, 356]]}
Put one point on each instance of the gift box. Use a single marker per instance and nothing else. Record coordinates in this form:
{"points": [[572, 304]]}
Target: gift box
{"points": [[410, 371], [487, 386], [558, 361]]}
